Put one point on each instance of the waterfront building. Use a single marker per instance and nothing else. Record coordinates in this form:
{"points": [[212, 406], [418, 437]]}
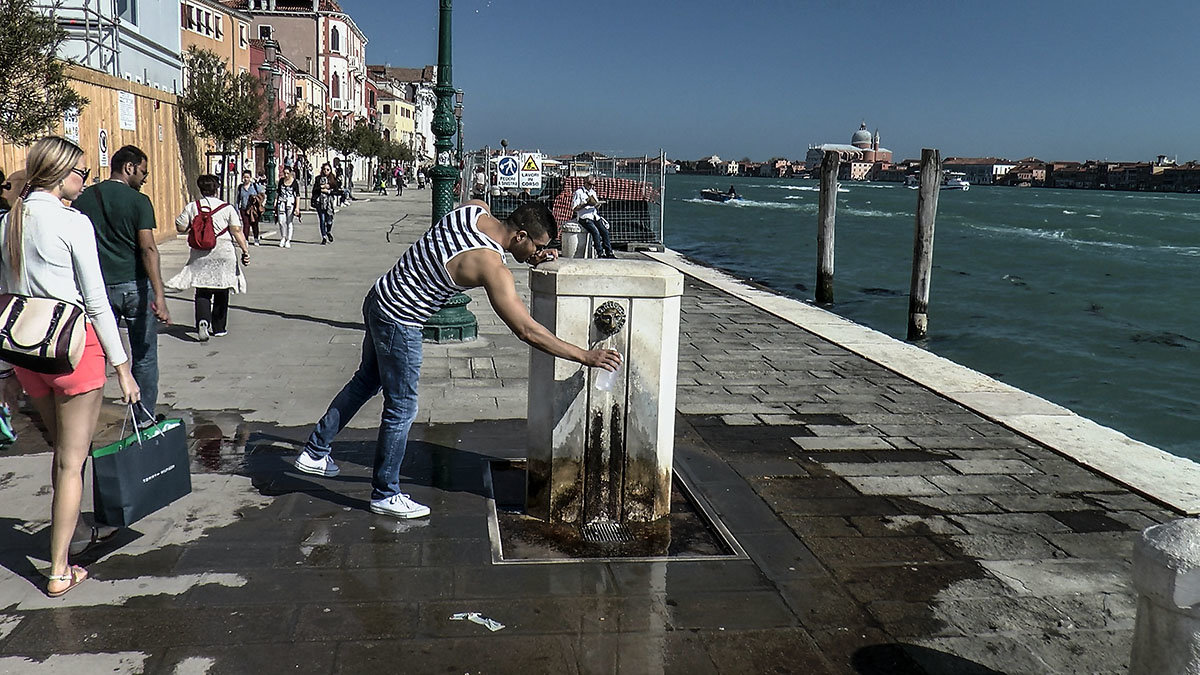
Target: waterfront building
{"points": [[320, 39], [861, 159], [979, 170], [208, 24], [414, 86], [138, 40]]}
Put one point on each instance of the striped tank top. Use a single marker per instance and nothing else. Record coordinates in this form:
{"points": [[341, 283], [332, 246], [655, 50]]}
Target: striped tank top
{"points": [[419, 284]]}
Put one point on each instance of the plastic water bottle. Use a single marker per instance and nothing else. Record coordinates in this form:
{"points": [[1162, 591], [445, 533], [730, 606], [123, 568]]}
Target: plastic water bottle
{"points": [[606, 378]]}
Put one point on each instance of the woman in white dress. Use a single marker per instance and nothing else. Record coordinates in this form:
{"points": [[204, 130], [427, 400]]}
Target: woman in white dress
{"points": [[213, 272]]}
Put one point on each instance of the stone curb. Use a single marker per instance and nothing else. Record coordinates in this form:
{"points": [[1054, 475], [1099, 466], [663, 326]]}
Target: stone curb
{"points": [[1158, 475]]}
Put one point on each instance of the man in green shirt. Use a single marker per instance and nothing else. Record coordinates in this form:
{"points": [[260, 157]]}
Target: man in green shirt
{"points": [[124, 222]]}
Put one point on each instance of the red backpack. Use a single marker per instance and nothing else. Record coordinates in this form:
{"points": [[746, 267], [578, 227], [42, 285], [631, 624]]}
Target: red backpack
{"points": [[202, 236]]}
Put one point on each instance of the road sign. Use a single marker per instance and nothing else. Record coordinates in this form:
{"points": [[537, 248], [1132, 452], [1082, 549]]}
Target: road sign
{"points": [[507, 170], [103, 142], [531, 171]]}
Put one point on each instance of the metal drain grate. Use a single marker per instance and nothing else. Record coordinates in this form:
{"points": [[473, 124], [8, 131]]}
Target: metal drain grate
{"points": [[603, 530]]}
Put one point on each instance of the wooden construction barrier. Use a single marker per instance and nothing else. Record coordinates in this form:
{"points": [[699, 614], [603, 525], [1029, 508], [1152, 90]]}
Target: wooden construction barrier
{"points": [[174, 159]]}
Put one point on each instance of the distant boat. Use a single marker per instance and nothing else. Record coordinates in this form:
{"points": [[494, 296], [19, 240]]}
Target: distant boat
{"points": [[954, 180], [718, 196], [912, 182]]}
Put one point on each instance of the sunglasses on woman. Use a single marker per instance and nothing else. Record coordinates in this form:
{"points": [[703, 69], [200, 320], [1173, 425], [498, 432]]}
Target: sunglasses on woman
{"points": [[83, 173]]}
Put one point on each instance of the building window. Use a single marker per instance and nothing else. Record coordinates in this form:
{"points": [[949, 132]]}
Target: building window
{"points": [[127, 10], [264, 32], [299, 93], [243, 35], [218, 25], [336, 86], [335, 40], [371, 98], [387, 109]]}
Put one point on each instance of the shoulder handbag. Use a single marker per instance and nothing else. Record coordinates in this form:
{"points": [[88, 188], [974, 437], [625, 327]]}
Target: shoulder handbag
{"points": [[45, 335]]}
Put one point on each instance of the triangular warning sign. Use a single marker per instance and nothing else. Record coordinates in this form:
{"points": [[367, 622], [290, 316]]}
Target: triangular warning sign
{"points": [[530, 164]]}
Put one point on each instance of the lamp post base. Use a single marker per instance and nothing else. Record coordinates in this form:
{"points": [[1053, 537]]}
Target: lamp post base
{"points": [[452, 323]]}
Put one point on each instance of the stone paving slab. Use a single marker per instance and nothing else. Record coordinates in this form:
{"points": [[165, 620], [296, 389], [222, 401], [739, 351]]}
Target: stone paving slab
{"points": [[888, 528]]}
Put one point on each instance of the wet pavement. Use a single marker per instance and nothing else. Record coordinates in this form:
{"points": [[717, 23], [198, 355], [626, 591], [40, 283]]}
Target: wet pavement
{"points": [[886, 529]]}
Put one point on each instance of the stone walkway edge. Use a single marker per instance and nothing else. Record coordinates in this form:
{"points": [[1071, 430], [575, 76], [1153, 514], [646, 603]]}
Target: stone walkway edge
{"points": [[1171, 481]]}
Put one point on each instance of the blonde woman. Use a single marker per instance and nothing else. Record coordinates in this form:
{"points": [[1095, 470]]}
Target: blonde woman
{"points": [[49, 250]]}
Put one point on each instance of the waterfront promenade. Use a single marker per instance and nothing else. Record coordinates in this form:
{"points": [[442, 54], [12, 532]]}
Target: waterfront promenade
{"points": [[888, 528]]}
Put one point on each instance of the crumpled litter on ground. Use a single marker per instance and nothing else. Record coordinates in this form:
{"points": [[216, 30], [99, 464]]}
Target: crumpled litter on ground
{"points": [[476, 617]]}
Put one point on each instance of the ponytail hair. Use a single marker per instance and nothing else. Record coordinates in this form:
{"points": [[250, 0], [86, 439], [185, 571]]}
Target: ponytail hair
{"points": [[48, 163]]}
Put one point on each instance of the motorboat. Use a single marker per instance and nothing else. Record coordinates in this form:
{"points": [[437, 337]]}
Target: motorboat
{"points": [[955, 180], [912, 182], [718, 196]]}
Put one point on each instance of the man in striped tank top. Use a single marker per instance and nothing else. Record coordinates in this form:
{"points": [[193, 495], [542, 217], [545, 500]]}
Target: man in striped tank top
{"points": [[465, 249]]}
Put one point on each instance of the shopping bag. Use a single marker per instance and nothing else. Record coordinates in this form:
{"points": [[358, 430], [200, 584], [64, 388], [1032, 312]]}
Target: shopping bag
{"points": [[141, 473]]}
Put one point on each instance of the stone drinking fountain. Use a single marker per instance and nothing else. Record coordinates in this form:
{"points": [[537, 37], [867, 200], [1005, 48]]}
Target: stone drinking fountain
{"points": [[600, 458]]}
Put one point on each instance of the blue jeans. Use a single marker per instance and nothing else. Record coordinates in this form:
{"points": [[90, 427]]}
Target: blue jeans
{"points": [[598, 228], [325, 222], [131, 301], [391, 361]]}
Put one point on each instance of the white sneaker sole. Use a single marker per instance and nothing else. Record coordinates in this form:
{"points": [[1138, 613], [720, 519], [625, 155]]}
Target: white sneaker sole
{"points": [[395, 514], [316, 472]]}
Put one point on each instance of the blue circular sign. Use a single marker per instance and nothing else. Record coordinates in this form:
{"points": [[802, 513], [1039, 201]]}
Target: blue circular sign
{"points": [[507, 166]]}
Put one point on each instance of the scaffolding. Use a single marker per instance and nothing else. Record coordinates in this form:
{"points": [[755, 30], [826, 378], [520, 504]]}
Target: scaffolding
{"points": [[93, 32]]}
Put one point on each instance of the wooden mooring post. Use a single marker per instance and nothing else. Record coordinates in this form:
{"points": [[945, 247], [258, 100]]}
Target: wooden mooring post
{"points": [[825, 217], [922, 269]]}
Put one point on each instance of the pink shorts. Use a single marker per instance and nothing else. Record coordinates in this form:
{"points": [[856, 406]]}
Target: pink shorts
{"points": [[87, 376]]}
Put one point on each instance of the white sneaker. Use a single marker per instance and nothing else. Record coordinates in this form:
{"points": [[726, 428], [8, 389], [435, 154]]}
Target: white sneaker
{"points": [[282, 243], [399, 506], [317, 467], [202, 329], [287, 244]]}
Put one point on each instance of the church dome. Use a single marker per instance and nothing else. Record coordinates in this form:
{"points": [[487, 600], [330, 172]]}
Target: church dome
{"points": [[861, 138]]}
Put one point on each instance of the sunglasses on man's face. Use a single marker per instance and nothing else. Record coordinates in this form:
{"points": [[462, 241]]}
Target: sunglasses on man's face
{"points": [[83, 173], [6, 187]]}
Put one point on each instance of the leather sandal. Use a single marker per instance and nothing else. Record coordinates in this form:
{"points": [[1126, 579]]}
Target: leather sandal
{"points": [[76, 575]]}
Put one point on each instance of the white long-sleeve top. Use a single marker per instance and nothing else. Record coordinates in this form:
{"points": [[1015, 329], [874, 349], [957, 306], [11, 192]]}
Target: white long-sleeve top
{"points": [[61, 261]]}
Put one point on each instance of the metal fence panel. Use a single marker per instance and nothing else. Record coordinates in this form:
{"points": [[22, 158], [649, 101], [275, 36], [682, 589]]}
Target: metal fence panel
{"points": [[630, 191]]}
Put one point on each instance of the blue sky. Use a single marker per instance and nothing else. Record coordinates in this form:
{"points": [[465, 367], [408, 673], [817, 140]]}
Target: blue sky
{"points": [[1066, 80]]}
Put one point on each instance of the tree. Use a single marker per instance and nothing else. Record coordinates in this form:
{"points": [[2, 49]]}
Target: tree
{"points": [[341, 137], [303, 129], [34, 93], [227, 108]]}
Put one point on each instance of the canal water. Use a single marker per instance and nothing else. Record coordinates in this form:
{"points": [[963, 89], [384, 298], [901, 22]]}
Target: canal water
{"points": [[1086, 298]]}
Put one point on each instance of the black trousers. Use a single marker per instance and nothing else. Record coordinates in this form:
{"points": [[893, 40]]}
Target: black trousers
{"points": [[212, 305]]}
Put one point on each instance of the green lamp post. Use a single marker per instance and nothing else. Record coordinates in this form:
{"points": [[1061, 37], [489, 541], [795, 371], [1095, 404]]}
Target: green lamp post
{"points": [[454, 322], [458, 112], [269, 73]]}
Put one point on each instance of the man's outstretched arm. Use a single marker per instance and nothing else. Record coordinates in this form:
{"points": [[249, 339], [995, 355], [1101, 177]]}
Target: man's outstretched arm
{"points": [[502, 293]]}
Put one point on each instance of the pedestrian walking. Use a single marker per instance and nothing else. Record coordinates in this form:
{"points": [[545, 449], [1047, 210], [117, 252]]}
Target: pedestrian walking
{"points": [[381, 181], [250, 200], [287, 206], [123, 219], [50, 250], [323, 191], [420, 179], [398, 179], [469, 246], [214, 230], [339, 172]]}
